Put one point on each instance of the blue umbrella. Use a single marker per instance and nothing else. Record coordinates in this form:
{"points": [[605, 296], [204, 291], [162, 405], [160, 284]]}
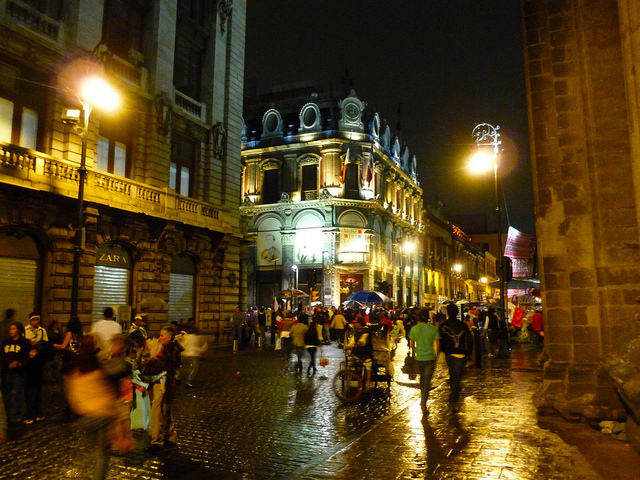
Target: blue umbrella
{"points": [[368, 296]]}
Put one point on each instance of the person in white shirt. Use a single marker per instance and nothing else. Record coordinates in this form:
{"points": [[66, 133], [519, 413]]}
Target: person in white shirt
{"points": [[106, 332]]}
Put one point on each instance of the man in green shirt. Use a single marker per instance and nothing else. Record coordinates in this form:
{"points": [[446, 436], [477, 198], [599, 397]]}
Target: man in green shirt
{"points": [[424, 341]]}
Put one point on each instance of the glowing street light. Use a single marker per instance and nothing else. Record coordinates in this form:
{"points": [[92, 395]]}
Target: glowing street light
{"points": [[93, 92], [487, 136]]}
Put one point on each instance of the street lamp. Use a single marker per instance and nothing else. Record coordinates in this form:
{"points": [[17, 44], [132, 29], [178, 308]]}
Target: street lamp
{"points": [[487, 136], [94, 92]]}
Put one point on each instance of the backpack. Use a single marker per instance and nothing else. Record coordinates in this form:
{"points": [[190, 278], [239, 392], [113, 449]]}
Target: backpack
{"points": [[311, 335]]}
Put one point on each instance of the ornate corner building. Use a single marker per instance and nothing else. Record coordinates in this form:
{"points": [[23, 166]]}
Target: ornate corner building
{"points": [[161, 178], [331, 201]]}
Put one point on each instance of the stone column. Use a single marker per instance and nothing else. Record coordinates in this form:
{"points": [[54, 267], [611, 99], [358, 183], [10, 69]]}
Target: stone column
{"points": [[585, 197]]}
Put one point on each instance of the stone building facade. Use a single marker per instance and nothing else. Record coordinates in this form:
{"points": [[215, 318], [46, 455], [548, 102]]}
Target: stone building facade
{"points": [[332, 203], [582, 69], [160, 216]]}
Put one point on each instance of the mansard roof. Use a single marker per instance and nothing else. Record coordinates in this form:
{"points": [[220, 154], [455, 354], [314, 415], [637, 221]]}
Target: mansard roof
{"points": [[282, 114]]}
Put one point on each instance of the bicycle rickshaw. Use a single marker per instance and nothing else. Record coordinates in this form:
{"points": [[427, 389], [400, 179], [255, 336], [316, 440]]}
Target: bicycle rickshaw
{"points": [[349, 382]]}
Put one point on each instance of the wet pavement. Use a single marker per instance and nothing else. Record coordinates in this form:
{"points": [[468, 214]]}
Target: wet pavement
{"points": [[251, 417]]}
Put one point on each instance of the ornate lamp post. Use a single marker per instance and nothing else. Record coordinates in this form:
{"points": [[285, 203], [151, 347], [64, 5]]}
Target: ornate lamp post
{"points": [[96, 92], [487, 136]]}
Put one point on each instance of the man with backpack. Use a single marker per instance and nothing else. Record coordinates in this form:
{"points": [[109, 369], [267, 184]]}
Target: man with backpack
{"points": [[457, 344]]}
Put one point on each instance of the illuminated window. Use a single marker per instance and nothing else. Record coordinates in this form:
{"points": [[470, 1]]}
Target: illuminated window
{"points": [[114, 145], [181, 168], [18, 124]]}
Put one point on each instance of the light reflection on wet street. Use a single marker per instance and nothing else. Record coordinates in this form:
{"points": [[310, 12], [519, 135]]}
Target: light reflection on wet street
{"points": [[251, 417]]}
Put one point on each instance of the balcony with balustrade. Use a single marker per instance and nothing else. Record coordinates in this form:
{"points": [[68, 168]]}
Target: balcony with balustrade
{"points": [[37, 171]]}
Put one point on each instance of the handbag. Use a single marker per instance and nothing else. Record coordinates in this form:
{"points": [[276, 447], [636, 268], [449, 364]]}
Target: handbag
{"points": [[324, 361], [278, 344]]}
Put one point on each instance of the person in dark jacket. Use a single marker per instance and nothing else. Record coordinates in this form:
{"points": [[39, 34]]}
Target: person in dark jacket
{"points": [[15, 358], [457, 344]]}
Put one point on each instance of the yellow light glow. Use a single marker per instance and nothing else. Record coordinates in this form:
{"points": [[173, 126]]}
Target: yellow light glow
{"points": [[484, 280], [99, 93], [457, 267], [483, 161], [409, 246]]}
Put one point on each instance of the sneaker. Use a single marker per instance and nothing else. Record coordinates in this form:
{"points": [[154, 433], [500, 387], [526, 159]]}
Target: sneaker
{"points": [[28, 421], [40, 419], [188, 385]]}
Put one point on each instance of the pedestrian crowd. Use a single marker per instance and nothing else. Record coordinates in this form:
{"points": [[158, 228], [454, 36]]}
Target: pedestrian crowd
{"points": [[116, 380], [113, 380]]}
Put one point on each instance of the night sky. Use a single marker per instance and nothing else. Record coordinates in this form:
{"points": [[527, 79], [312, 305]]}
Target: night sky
{"points": [[448, 64]]}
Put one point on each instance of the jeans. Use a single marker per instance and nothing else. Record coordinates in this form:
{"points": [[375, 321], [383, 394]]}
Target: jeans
{"points": [[13, 393], [33, 392], [300, 355], [425, 369], [312, 353], [237, 332], [456, 370]]}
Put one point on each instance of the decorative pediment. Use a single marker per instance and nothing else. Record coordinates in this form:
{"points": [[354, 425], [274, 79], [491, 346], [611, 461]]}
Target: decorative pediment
{"points": [[270, 164], [309, 159]]}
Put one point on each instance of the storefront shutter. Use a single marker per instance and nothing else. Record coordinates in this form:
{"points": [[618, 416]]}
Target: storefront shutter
{"points": [[110, 288], [18, 286], [180, 297]]}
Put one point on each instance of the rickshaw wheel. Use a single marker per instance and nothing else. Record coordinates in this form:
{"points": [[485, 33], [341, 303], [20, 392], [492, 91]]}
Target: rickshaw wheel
{"points": [[347, 385]]}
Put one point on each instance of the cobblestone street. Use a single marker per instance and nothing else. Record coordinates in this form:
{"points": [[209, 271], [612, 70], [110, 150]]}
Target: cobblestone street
{"points": [[251, 417]]}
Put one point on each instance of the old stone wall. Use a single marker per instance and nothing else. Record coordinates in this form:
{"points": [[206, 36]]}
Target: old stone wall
{"points": [[586, 197]]}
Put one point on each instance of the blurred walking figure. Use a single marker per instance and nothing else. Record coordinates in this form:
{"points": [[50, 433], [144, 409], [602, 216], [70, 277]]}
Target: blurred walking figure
{"points": [[457, 344], [194, 346], [91, 395]]}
